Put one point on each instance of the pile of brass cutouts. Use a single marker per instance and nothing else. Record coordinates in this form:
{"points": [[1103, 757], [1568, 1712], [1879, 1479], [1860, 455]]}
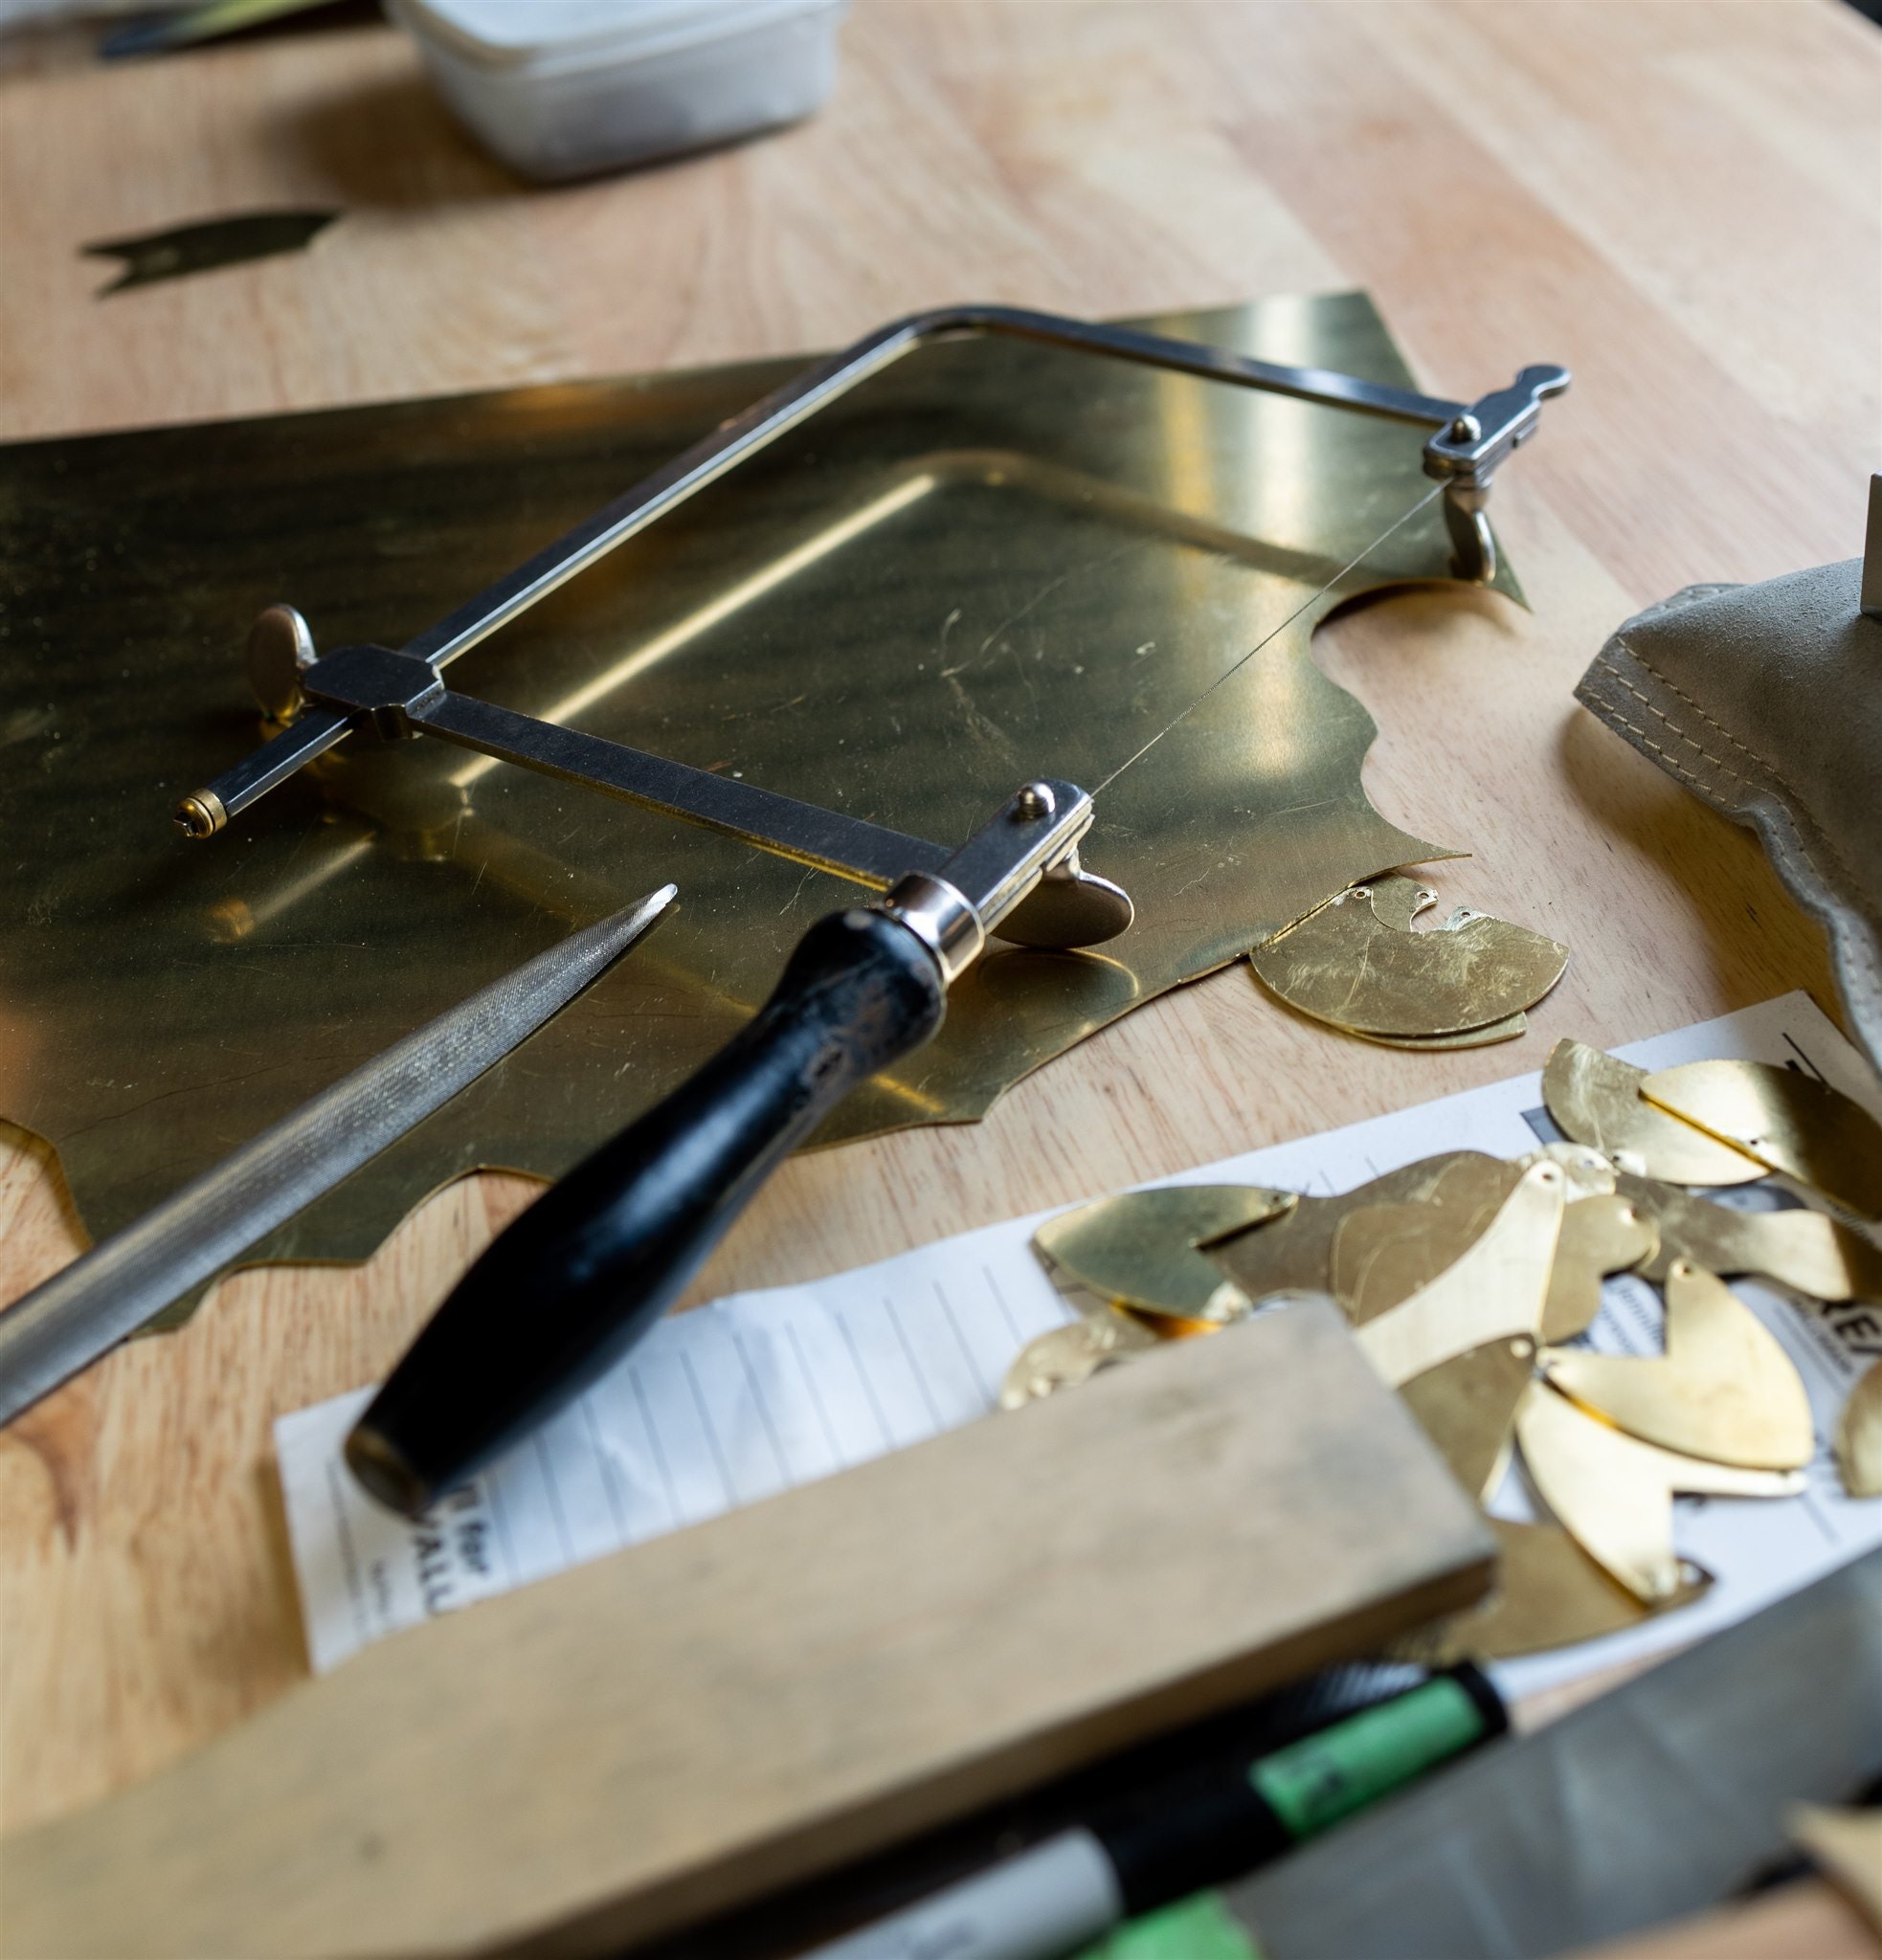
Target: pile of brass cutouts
{"points": [[1470, 1281], [1356, 961]]}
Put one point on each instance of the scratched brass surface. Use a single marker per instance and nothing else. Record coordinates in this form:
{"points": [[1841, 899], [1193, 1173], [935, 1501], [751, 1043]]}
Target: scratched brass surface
{"points": [[992, 562]]}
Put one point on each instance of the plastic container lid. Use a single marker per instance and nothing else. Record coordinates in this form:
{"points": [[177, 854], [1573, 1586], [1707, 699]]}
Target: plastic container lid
{"points": [[501, 33]]}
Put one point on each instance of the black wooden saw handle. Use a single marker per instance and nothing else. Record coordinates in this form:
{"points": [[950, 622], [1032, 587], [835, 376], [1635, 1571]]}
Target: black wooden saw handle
{"points": [[583, 1274]]}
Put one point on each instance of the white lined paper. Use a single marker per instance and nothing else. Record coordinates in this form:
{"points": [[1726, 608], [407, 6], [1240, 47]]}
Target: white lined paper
{"points": [[766, 1390]]}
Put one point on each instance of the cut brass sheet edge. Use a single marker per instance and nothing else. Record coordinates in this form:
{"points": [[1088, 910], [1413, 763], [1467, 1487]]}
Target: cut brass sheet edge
{"points": [[349, 1228]]}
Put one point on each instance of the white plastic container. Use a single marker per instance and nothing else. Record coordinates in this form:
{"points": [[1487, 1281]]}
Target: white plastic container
{"points": [[564, 88]]}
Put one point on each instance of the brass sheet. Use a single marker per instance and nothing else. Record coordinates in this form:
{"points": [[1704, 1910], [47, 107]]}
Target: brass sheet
{"points": [[1785, 1118], [992, 562], [1859, 1435], [1595, 1098], [1139, 1248], [1549, 1593], [1494, 1290], [1615, 1493], [1724, 1389], [1357, 962]]}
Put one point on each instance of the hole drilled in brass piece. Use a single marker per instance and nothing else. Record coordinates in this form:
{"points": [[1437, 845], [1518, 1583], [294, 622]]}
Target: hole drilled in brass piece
{"points": [[1595, 1098], [1357, 962], [1784, 1119]]}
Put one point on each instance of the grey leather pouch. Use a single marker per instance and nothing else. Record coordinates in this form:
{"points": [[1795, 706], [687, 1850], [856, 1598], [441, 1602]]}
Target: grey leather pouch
{"points": [[1767, 701]]}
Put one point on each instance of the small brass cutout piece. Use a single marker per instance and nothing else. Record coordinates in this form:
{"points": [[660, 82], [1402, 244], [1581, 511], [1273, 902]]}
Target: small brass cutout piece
{"points": [[1596, 1099], [1615, 1493], [1786, 1120], [1140, 1249], [1724, 1390], [1355, 963], [1070, 1354], [1467, 1407], [1600, 1235]]}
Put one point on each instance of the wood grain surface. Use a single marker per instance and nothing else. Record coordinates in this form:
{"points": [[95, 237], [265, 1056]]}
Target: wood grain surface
{"points": [[1679, 201]]}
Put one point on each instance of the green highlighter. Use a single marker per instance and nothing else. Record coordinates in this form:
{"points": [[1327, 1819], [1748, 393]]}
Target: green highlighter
{"points": [[1148, 1859]]}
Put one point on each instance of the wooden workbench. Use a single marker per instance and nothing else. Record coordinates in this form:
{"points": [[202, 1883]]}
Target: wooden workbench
{"points": [[1678, 201]]}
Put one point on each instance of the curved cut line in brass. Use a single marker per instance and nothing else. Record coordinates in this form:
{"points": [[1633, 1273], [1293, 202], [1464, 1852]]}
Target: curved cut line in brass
{"points": [[1615, 1494], [1139, 1249], [1549, 1593], [1724, 1390], [1595, 1098], [1357, 962], [990, 561], [1786, 1120]]}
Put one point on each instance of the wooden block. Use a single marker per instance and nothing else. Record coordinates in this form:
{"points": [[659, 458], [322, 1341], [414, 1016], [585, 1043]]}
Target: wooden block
{"points": [[688, 1724]]}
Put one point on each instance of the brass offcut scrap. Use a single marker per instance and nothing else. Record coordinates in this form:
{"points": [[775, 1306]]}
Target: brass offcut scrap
{"points": [[1070, 1354], [1802, 1249], [1467, 1407], [1859, 1436], [1549, 1593], [1784, 1119], [1355, 963], [1724, 1390], [1615, 1493], [1596, 1099], [1494, 1291], [1846, 1845], [1600, 1235], [1140, 1248]]}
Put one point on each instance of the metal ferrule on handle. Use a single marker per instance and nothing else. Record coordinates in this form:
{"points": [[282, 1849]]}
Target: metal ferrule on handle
{"points": [[591, 1267]]}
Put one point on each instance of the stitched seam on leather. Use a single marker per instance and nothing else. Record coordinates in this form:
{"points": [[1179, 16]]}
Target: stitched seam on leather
{"points": [[1672, 687], [1698, 748], [1864, 945]]}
